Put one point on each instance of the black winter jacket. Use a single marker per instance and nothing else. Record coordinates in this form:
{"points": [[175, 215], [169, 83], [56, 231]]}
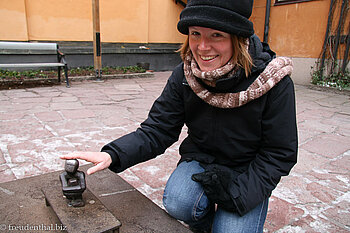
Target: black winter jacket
{"points": [[259, 139]]}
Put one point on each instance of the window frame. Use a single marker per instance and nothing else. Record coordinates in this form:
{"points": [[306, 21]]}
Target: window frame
{"points": [[285, 2]]}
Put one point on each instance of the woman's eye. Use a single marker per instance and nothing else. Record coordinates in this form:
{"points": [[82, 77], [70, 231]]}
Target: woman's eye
{"points": [[217, 35], [194, 33]]}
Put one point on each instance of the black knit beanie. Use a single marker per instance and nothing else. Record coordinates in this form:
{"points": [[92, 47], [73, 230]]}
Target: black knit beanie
{"points": [[229, 16]]}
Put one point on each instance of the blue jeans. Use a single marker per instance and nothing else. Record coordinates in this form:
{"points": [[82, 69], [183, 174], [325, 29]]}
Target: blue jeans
{"points": [[185, 200]]}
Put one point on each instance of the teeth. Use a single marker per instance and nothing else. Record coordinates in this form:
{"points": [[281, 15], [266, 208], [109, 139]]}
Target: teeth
{"points": [[207, 58]]}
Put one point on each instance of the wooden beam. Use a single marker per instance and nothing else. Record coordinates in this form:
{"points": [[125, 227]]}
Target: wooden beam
{"points": [[96, 38]]}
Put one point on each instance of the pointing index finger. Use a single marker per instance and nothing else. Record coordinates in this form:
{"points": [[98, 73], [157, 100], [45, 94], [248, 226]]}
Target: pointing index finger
{"points": [[74, 155]]}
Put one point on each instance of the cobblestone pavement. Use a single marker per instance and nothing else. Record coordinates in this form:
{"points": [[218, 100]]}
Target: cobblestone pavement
{"points": [[39, 124]]}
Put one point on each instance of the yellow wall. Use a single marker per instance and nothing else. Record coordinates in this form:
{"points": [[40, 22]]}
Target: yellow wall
{"points": [[124, 21], [296, 30], [13, 23], [258, 17], [59, 20], [163, 18], [136, 21]]}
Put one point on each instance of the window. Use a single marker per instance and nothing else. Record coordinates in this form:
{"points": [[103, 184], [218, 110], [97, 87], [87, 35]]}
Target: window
{"points": [[284, 2]]}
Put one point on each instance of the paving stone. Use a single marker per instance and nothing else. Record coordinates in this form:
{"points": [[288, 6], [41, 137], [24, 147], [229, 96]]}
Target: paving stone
{"points": [[322, 192], [300, 107], [138, 104], [2, 159], [316, 114], [64, 99], [307, 161], [29, 119], [6, 106], [21, 93], [293, 189], [339, 214], [37, 125], [37, 156], [333, 180], [29, 169], [64, 94], [334, 169], [78, 114], [3, 98], [316, 126], [343, 162], [50, 93], [309, 224], [275, 220], [114, 132], [328, 145], [119, 98], [27, 132], [157, 197], [27, 106], [333, 101], [131, 178], [341, 124], [49, 116], [88, 141], [32, 100], [310, 96], [344, 110], [6, 174], [303, 224], [157, 171], [100, 100], [66, 105], [116, 120], [74, 126], [88, 92], [344, 131], [342, 118], [11, 115], [23, 152], [34, 132]]}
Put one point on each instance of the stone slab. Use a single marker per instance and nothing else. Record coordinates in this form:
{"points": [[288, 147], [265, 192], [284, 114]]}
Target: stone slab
{"points": [[93, 217], [23, 204]]}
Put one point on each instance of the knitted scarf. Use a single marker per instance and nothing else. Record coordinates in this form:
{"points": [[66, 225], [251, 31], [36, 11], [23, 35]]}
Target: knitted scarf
{"points": [[274, 72]]}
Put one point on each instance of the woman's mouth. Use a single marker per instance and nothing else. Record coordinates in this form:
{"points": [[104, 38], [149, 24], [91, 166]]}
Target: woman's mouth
{"points": [[207, 58]]}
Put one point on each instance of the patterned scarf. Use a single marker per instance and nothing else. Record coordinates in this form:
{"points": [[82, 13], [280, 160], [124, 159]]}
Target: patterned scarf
{"points": [[274, 72]]}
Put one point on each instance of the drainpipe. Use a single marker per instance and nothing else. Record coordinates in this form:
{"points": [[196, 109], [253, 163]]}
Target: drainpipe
{"points": [[267, 20], [27, 16], [346, 53], [337, 38], [330, 16]]}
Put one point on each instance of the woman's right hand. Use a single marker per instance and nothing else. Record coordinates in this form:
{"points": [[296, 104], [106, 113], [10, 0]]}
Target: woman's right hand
{"points": [[101, 160]]}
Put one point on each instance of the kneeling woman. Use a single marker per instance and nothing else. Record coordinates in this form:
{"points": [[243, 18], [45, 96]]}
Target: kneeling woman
{"points": [[237, 100]]}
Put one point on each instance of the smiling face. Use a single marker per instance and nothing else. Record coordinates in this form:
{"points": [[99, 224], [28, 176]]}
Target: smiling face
{"points": [[211, 48]]}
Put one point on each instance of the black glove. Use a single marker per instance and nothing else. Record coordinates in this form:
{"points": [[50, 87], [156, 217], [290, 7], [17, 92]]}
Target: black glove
{"points": [[215, 182]]}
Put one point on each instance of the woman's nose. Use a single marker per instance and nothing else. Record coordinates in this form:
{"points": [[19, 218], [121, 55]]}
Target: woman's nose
{"points": [[203, 44]]}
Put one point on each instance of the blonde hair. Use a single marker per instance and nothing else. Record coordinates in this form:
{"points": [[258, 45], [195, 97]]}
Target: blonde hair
{"points": [[240, 54]]}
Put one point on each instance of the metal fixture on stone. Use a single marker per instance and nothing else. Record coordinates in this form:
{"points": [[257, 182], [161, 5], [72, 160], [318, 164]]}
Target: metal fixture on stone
{"points": [[73, 183]]}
